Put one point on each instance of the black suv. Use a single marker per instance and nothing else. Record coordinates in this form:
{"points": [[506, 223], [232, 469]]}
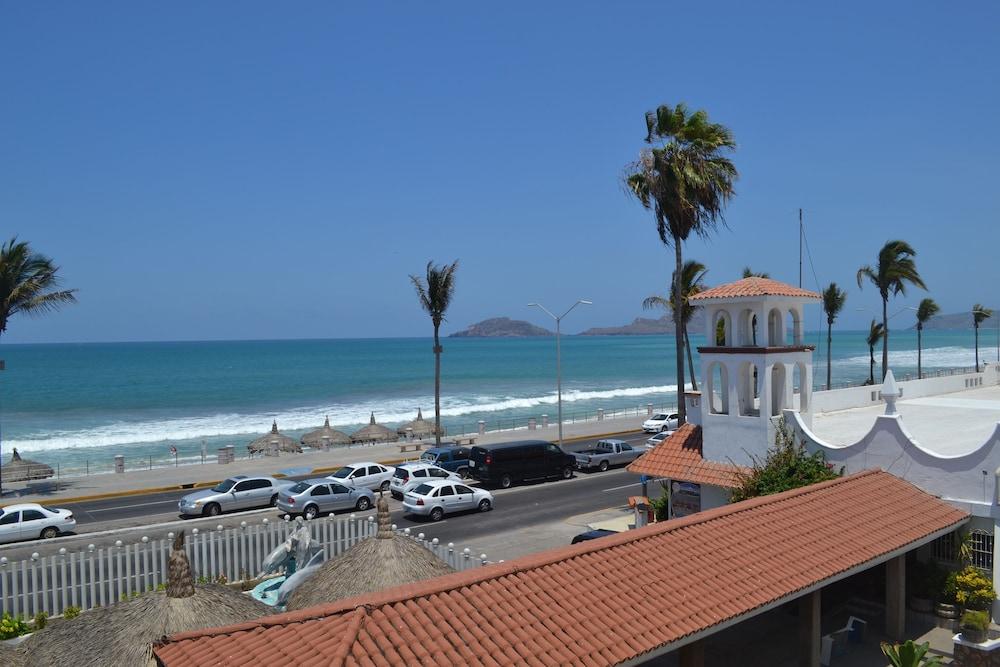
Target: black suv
{"points": [[502, 465]]}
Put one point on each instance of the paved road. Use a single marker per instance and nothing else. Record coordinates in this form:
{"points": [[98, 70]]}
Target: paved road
{"points": [[517, 509]]}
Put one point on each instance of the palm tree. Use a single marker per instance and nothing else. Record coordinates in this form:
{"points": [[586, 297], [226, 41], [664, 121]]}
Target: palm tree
{"points": [[980, 314], [875, 334], [894, 269], [685, 178], [750, 273], [925, 311], [28, 283], [435, 293], [692, 282], [833, 303]]}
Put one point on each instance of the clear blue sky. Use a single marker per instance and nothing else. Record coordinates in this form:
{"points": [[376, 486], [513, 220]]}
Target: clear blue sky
{"points": [[264, 170]]}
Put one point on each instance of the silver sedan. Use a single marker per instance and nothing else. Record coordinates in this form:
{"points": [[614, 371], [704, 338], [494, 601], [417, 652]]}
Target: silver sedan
{"points": [[313, 496]]}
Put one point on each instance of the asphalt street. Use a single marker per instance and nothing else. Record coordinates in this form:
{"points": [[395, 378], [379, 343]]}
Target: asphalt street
{"points": [[102, 522]]}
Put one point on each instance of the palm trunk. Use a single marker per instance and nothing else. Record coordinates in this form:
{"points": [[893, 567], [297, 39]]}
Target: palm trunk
{"points": [[871, 364], [885, 337], [687, 344], [437, 386], [829, 342], [679, 333], [920, 370], [977, 347]]}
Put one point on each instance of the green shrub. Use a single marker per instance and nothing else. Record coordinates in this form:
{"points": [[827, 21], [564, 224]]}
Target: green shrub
{"points": [[976, 620], [71, 612], [949, 590], [41, 618], [12, 626], [975, 589], [910, 654]]}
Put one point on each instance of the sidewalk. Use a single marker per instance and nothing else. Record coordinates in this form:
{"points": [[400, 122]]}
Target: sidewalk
{"points": [[311, 461]]}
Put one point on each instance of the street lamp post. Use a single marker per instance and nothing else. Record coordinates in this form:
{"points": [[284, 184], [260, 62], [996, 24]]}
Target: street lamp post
{"points": [[558, 320]]}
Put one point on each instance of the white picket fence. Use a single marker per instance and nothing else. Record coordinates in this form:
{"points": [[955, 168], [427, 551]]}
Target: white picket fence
{"points": [[99, 576]]}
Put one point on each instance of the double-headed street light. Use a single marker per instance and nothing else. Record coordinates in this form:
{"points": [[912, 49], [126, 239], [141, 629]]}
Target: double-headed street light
{"points": [[558, 320]]}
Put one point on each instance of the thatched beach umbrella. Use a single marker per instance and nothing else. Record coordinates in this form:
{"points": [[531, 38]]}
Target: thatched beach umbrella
{"points": [[373, 565], [325, 436], [274, 439], [21, 470], [122, 634], [11, 656], [374, 433], [419, 427]]}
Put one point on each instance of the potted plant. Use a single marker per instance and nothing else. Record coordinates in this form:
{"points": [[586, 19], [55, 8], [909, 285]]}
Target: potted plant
{"points": [[975, 590], [947, 604], [975, 625], [910, 654]]}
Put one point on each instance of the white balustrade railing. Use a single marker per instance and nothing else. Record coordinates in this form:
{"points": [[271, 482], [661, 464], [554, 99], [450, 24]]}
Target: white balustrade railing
{"points": [[97, 576]]}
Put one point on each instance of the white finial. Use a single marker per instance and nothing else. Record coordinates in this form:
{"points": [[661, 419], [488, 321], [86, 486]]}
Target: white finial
{"points": [[890, 392]]}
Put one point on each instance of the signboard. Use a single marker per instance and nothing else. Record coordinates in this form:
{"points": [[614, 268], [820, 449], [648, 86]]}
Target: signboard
{"points": [[685, 499]]}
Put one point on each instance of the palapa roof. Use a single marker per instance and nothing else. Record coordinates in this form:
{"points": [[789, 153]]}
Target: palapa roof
{"points": [[679, 457], [20, 470], [374, 433], [11, 656], [285, 444], [121, 635], [325, 434], [420, 427], [693, 576], [372, 565], [753, 287]]}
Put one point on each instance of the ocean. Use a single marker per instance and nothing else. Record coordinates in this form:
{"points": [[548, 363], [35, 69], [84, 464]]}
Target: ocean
{"points": [[75, 406]]}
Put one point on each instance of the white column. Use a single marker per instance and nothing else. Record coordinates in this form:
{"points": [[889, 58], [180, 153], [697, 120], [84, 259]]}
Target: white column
{"points": [[764, 375]]}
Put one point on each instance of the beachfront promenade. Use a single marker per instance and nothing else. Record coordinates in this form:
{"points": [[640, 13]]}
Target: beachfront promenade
{"points": [[309, 462]]}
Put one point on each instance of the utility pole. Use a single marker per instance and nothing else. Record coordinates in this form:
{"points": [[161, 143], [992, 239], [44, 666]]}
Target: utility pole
{"points": [[800, 247]]}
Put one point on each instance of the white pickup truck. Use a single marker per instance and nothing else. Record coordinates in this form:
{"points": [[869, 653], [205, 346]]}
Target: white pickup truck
{"points": [[607, 453]]}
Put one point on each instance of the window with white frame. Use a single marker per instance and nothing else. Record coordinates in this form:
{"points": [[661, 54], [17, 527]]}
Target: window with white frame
{"points": [[981, 549]]}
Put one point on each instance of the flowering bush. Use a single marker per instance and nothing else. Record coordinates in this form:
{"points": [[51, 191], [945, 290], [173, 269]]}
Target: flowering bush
{"points": [[974, 589], [12, 626]]}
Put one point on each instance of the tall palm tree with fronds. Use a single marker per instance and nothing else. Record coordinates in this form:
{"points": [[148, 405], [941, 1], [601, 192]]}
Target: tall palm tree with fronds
{"points": [[686, 179], [925, 311], [692, 282], [895, 268], [875, 333], [435, 292], [28, 282], [833, 303], [750, 273], [980, 314]]}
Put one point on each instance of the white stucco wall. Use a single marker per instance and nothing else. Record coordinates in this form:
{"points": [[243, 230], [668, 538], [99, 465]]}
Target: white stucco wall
{"points": [[856, 397]]}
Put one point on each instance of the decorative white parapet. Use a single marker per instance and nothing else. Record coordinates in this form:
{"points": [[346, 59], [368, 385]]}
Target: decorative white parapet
{"points": [[890, 392]]}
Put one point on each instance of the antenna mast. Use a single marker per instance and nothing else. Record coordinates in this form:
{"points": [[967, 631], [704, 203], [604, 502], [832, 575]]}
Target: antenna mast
{"points": [[800, 247]]}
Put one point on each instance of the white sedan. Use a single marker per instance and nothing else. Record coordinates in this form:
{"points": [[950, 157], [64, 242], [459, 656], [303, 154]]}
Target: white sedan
{"points": [[658, 438], [30, 521], [660, 422], [436, 498], [410, 475], [365, 475]]}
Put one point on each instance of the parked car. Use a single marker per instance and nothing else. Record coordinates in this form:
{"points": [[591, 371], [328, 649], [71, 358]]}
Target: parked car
{"points": [[660, 422], [607, 453], [658, 438], [592, 535], [436, 498], [451, 458], [240, 492], [29, 521], [366, 475], [314, 496], [502, 465], [409, 475]]}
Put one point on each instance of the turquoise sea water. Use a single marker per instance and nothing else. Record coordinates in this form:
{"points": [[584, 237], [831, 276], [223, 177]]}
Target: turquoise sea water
{"points": [[77, 405]]}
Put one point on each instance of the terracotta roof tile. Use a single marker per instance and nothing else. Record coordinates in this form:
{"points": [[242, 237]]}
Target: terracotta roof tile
{"points": [[679, 457], [692, 574], [753, 286]]}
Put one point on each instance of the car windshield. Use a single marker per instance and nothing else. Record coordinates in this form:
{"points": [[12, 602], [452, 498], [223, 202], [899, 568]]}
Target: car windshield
{"points": [[299, 488], [343, 473], [423, 489], [50, 510], [224, 485], [428, 456], [401, 473], [659, 417]]}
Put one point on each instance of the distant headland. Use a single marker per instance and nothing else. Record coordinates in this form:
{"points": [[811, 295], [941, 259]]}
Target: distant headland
{"points": [[501, 327]]}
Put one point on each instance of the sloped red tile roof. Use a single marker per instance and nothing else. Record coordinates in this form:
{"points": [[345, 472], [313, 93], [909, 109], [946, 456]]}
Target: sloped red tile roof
{"points": [[753, 286], [553, 608], [679, 457]]}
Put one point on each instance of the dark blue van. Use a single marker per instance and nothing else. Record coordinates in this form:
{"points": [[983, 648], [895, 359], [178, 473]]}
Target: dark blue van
{"points": [[453, 458]]}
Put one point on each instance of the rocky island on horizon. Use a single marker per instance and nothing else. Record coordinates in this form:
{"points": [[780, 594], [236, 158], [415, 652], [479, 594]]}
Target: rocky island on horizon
{"points": [[501, 327]]}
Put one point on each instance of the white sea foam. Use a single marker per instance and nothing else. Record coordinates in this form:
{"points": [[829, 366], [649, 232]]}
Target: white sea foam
{"points": [[935, 357], [244, 426]]}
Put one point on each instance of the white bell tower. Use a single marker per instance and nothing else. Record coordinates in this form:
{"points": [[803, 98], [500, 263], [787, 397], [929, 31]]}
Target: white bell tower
{"points": [[755, 365]]}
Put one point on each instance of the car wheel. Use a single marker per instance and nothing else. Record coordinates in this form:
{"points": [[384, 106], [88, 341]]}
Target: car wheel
{"points": [[274, 500], [567, 472], [311, 512], [385, 485], [363, 504], [212, 509], [505, 482], [485, 505], [49, 533], [603, 467], [437, 514]]}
